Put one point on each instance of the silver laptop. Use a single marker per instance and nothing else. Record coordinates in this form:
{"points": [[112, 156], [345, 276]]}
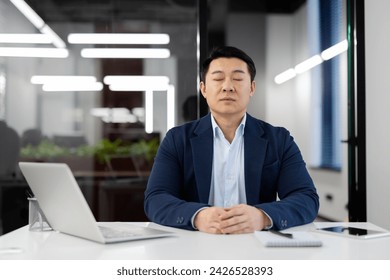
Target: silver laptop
{"points": [[67, 211]]}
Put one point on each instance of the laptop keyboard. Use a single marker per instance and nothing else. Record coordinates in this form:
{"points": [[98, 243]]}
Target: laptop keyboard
{"points": [[115, 233]]}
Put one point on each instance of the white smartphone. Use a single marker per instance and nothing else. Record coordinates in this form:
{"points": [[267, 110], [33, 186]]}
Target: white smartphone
{"points": [[354, 232]]}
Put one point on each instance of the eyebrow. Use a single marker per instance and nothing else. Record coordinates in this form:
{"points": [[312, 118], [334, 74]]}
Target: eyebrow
{"points": [[234, 71]]}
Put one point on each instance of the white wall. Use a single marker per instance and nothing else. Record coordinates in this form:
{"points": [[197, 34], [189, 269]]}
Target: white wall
{"points": [[377, 28]]}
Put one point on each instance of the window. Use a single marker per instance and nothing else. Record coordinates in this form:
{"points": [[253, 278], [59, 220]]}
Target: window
{"points": [[328, 85]]}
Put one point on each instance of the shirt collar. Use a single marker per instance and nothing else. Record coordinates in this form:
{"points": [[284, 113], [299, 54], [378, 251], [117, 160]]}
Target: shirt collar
{"points": [[217, 130]]}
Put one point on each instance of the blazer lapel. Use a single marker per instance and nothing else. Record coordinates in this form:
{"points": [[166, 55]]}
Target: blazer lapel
{"points": [[255, 150], [202, 151]]}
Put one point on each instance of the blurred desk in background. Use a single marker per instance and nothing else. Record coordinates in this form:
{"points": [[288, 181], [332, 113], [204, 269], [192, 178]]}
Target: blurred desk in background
{"points": [[114, 196]]}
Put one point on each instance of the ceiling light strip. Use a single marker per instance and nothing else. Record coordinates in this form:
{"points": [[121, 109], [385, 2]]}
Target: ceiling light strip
{"points": [[308, 64], [136, 83], [315, 60], [57, 41], [125, 53], [149, 111], [97, 86], [114, 115], [25, 38], [67, 83], [29, 13], [119, 38], [171, 107], [335, 50], [38, 22], [285, 76], [105, 111], [34, 52], [61, 79]]}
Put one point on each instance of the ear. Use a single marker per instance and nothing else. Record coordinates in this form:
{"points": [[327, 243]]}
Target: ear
{"points": [[253, 88], [202, 87]]}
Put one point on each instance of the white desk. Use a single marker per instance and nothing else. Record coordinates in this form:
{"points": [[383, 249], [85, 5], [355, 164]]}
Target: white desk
{"points": [[189, 245]]}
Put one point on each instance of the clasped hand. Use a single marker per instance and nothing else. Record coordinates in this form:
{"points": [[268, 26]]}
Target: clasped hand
{"points": [[241, 218]]}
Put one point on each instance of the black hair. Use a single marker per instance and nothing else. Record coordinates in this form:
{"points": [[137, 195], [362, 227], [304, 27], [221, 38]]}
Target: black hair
{"points": [[228, 52]]}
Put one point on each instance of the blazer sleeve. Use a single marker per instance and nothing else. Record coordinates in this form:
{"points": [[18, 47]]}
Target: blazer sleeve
{"points": [[167, 200], [287, 175]]}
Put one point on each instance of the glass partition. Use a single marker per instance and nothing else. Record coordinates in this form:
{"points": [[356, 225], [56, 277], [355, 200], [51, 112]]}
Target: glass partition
{"points": [[109, 70], [96, 85]]}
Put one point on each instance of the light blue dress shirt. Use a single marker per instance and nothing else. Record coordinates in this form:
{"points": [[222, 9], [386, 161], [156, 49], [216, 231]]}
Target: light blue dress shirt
{"points": [[227, 180]]}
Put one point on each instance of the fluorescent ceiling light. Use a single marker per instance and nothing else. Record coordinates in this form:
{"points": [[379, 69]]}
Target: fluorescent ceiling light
{"points": [[335, 50], [149, 111], [312, 62], [102, 112], [25, 38], [34, 52], [308, 64], [67, 83], [114, 115], [137, 83], [29, 13], [135, 79], [129, 87], [149, 84], [38, 22], [120, 119], [171, 107], [53, 79], [285, 76], [125, 53], [97, 86], [118, 38], [139, 112], [57, 41]]}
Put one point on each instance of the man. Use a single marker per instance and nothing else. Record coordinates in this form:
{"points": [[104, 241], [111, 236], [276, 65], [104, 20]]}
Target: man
{"points": [[229, 172]]}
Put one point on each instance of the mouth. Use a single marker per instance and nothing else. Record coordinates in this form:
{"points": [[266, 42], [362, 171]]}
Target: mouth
{"points": [[227, 99]]}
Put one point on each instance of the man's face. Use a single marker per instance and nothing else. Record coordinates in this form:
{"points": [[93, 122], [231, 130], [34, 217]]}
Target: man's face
{"points": [[227, 87]]}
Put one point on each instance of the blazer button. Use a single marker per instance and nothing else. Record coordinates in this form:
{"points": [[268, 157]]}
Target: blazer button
{"points": [[283, 223], [179, 220]]}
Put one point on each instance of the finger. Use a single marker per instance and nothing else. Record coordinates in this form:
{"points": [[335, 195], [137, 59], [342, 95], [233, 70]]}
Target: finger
{"points": [[212, 230], [236, 210], [230, 213], [237, 228], [241, 219], [208, 220], [233, 224]]}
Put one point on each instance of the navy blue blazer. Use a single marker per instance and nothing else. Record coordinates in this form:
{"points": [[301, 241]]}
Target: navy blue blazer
{"points": [[276, 178]]}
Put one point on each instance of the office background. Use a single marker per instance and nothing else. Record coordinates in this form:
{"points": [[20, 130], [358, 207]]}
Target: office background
{"points": [[277, 34]]}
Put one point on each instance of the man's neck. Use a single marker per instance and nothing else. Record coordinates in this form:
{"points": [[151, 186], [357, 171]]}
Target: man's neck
{"points": [[228, 124]]}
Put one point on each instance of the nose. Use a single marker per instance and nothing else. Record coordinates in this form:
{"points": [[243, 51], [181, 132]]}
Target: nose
{"points": [[228, 86]]}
